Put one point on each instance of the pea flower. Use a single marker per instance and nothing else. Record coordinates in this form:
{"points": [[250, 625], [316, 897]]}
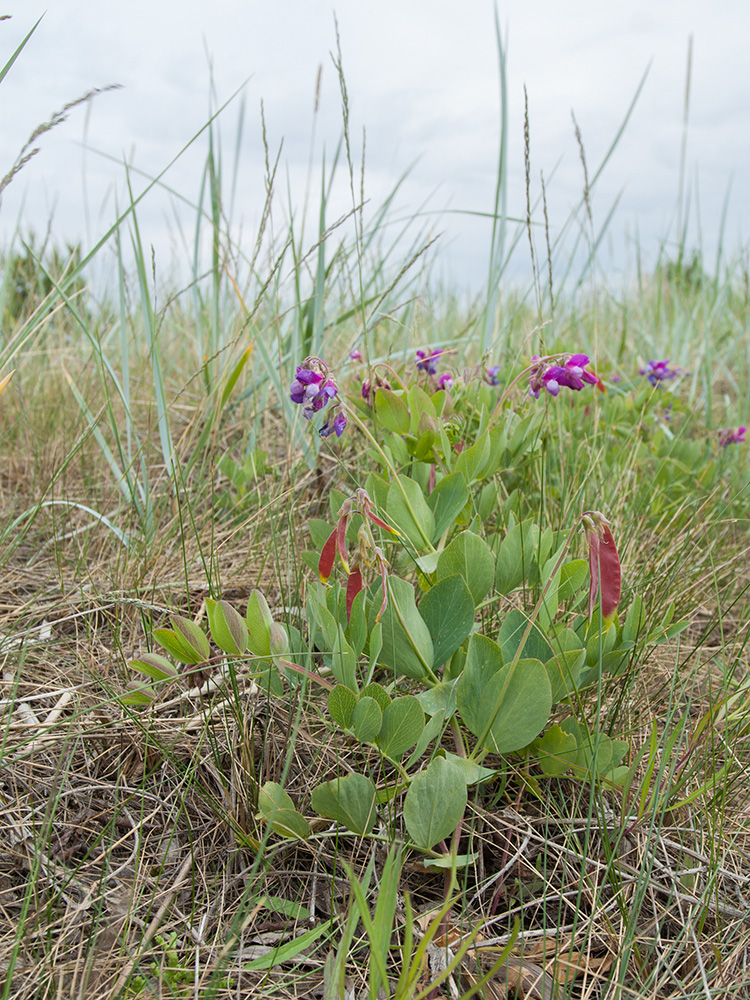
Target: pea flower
{"points": [[658, 371], [312, 389], [571, 374], [428, 360], [728, 436], [355, 355], [491, 375], [445, 381], [335, 426]]}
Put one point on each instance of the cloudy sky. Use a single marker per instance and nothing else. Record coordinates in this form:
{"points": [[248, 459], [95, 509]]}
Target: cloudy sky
{"points": [[422, 79]]}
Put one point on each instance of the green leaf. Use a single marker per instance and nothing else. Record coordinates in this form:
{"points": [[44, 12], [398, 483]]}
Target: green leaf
{"points": [[392, 411], [138, 694], [635, 623], [557, 751], [594, 751], [565, 671], [155, 666], [341, 702], [178, 647], [472, 461], [349, 801], [573, 575], [472, 558], [259, 621], [343, 661], [420, 404], [367, 719], [448, 611], [403, 722], [515, 706], [473, 773], [286, 952], [408, 510], [441, 698], [277, 904], [447, 500], [319, 532], [379, 693], [432, 729], [515, 557], [406, 641], [511, 632], [276, 807], [435, 803], [228, 629]]}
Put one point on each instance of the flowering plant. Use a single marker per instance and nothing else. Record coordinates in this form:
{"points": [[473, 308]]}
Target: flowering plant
{"points": [[570, 374], [658, 371], [313, 389], [728, 436]]}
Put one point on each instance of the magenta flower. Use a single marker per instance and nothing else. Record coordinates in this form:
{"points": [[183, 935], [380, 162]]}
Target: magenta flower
{"points": [[571, 374], [445, 381], [658, 371], [355, 355], [491, 375], [428, 360], [728, 436]]}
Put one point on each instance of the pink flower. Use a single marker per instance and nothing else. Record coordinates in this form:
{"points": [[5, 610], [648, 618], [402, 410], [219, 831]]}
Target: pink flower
{"points": [[728, 436], [571, 374]]}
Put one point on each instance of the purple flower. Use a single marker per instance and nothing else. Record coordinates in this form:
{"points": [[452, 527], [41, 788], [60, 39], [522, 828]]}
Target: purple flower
{"points": [[355, 355], [312, 389], [445, 381], [571, 374], [305, 386], [428, 360], [491, 375], [658, 371], [728, 436], [334, 427]]}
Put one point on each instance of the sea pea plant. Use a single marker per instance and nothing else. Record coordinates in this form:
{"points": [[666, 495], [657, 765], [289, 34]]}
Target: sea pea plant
{"points": [[430, 630]]}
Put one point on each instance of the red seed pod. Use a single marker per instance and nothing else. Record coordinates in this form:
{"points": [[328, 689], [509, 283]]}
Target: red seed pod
{"points": [[604, 566], [328, 554], [353, 587]]}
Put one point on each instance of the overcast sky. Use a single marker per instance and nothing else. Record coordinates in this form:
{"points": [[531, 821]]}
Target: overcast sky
{"points": [[422, 78]]}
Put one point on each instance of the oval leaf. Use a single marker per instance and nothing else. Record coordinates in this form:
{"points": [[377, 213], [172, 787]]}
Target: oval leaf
{"points": [[403, 722], [349, 801], [435, 803], [228, 629], [448, 611], [406, 642], [367, 718], [472, 558], [341, 702]]}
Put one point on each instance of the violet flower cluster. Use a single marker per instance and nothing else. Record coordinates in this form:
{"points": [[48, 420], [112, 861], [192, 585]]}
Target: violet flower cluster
{"points": [[312, 389], [571, 374], [728, 436], [658, 371], [427, 361]]}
